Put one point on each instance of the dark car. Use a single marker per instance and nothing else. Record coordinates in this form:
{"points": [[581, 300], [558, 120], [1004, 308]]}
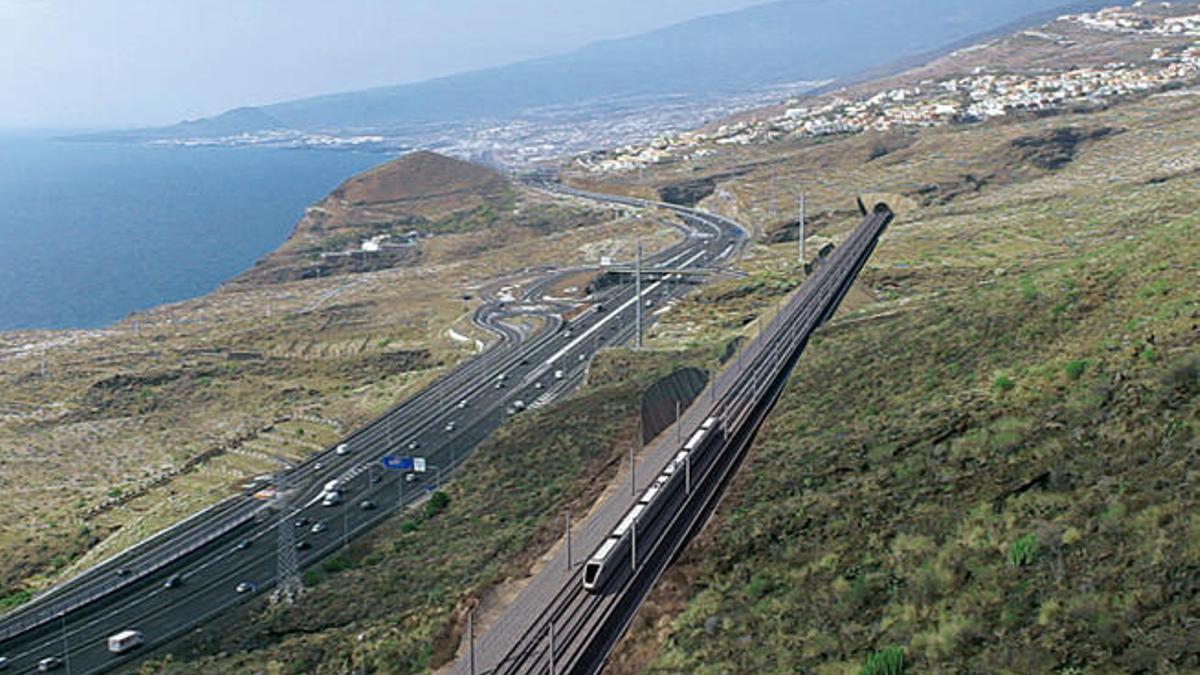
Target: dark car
{"points": [[301, 522], [243, 545], [173, 581], [303, 545], [366, 505], [123, 571]]}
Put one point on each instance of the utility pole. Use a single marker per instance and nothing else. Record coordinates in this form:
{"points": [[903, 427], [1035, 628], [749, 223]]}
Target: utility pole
{"points": [[633, 545], [774, 204], [43, 364], [800, 226], [471, 637], [687, 474], [288, 568], [678, 426], [567, 534], [66, 645], [632, 460], [637, 294], [362, 654], [632, 473]]}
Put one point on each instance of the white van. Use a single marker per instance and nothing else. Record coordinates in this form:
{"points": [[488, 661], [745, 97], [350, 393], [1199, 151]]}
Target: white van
{"points": [[124, 641]]}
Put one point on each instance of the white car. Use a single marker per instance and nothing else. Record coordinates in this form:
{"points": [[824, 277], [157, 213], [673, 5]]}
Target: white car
{"points": [[462, 405], [413, 445], [3, 662], [318, 528], [246, 587], [49, 663], [450, 426], [343, 449]]}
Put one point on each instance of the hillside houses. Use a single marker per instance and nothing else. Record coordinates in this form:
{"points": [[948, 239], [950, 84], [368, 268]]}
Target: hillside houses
{"points": [[979, 96]]}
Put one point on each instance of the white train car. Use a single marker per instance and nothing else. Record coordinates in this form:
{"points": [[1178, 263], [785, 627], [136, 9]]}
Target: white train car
{"points": [[616, 549]]}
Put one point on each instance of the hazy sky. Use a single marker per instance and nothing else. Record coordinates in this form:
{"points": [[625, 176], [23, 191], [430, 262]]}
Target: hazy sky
{"points": [[82, 63]]}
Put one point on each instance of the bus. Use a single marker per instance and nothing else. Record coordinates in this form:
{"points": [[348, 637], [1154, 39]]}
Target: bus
{"points": [[124, 641]]}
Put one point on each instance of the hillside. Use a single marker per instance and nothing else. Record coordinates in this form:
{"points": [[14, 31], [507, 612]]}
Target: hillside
{"points": [[775, 43], [107, 436], [420, 208], [984, 464]]}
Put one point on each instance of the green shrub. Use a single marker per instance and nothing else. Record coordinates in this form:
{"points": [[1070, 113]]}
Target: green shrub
{"points": [[336, 564], [759, 586], [1023, 551], [889, 661], [1003, 383], [1029, 291], [15, 598], [437, 503], [310, 578], [1075, 369]]}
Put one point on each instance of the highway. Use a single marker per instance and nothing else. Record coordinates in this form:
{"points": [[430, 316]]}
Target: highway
{"points": [[557, 624], [236, 541]]}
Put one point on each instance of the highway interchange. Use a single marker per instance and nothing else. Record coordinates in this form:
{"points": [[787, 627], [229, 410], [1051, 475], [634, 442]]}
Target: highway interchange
{"points": [[191, 573]]}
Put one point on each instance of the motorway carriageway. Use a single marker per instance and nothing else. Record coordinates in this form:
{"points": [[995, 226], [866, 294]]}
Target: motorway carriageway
{"points": [[210, 572]]}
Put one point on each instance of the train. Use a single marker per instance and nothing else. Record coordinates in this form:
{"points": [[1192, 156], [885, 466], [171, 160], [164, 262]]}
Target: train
{"points": [[619, 550]]}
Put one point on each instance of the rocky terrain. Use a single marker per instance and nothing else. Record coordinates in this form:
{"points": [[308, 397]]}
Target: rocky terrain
{"points": [[421, 209]]}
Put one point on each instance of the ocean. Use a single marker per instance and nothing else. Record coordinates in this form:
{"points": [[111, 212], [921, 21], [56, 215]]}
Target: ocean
{"points": [[92, 232]]}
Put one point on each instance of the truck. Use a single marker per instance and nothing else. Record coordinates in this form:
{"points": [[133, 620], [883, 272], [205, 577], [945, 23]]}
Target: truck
{"points": [[122, 642]]}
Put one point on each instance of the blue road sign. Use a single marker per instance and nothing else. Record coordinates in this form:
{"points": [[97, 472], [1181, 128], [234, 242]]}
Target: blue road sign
{"points": [[397, 462]]}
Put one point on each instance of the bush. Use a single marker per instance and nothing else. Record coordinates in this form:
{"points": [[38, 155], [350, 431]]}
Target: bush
{"points": [[759, 586], [1003, 383], [15, 598], [437, 503], [336, 564], [1029, 290], [890, 661], [1023, 551], [1075, 369]]}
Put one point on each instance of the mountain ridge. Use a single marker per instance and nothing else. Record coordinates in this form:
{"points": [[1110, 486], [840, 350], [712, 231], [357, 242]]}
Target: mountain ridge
{"points": [[762, 45]]}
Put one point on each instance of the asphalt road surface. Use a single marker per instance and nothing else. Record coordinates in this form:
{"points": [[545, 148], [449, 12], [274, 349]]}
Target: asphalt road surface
{"points": [[235, 543]]}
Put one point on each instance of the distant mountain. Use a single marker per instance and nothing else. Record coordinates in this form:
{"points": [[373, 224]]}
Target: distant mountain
{"points": [[232, 122], [769, 44]]}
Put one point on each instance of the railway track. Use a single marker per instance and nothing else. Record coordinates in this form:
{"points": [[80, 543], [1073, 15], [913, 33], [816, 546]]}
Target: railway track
{"points": [[575, 629]]}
